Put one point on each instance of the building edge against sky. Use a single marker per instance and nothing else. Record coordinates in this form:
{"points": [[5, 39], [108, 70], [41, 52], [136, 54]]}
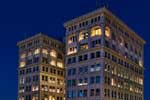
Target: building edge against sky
{"points": [[104, 58], [104, 61]]}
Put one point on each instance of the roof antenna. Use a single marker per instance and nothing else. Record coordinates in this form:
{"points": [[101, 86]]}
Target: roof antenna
{"points": [[26, 35], [101, 3]]}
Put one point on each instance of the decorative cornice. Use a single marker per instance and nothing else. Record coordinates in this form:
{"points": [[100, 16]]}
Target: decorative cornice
{"points": [[106, 12]]}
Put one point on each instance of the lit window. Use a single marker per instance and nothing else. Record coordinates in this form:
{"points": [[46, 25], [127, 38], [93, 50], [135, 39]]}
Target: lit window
{"points": [[45, 98], [72, 50], [53, 53], [51, 98], [141, 81], [53, 62], [60, 64], [35, 98], [72, 39], [96, 32], [22, 64], [140, 63], [45, 51], [22, 81], [98, 67], [84, 46], [37, 51], [35, 88], [107, 31], [23, 56], [21, 98], [92, 69], [21, 90], [58, 90], [131, 88], [112, 82], [83, 35]]}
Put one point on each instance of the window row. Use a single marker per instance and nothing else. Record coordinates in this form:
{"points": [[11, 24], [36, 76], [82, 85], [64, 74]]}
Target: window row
{"points": [[84, 57], [52, 80], [95, 31], [83, 93], [124, 63], [52, 89], [84, 23], [29, 70], [52, 62], [84, 69], [37, 51], [53, 71], [84, 81], [29, 88], [120, 95]]}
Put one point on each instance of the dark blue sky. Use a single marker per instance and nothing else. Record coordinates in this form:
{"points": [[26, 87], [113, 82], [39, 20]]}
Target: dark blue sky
{"points": [[18, 17]]}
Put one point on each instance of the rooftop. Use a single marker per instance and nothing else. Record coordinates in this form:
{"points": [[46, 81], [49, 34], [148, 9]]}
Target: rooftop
{"points": [[36, 36], [103, 10]]}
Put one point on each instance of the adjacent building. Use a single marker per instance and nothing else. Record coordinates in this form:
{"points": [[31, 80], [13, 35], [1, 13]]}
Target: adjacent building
{"points": [[104, 58], [41, 69]]}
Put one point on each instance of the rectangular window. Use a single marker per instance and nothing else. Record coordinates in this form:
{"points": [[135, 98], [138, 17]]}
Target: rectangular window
{"points": [[92, 92], [97, 79], [98, 54], [92, 69], [84, 46], [80, 58], [92, 80], [97, 92], [85, 57], [92, 55]]}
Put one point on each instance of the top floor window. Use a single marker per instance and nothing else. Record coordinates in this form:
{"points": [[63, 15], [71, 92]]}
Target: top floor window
{"points": [[37, 51], [96, 31], [72, 39], [45, 51], [107, 32], [53, 53], [83, 35]]}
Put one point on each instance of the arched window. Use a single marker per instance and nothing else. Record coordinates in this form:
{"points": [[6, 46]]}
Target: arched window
{"points": [[22, 64], [23, 55], [45, 51], [96, 31], [53, 53], [37, 51], [83, 35], [107, 31]]}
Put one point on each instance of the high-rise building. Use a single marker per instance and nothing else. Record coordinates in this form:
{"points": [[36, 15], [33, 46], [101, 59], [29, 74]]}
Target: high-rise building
{"points": [[41, 69], [104, 58]]}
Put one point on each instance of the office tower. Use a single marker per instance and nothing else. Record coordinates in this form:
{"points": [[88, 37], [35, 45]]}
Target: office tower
{"points": [[41, 69], [104, 58]]}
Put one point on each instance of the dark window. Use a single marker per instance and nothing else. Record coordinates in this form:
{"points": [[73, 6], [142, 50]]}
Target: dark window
{"points": [[92, 80], [92, 92], [80, 58], [97, 79], [98, 54], [97, 92], [92, 55], [85, 57]]}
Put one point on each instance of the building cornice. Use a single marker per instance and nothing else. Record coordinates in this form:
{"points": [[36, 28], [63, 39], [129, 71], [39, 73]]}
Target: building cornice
{"points": [[37, 36], [106, 12]]}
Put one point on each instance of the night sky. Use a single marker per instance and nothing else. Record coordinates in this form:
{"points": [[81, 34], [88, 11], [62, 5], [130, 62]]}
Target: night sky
{"points": [[18, 17]]}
